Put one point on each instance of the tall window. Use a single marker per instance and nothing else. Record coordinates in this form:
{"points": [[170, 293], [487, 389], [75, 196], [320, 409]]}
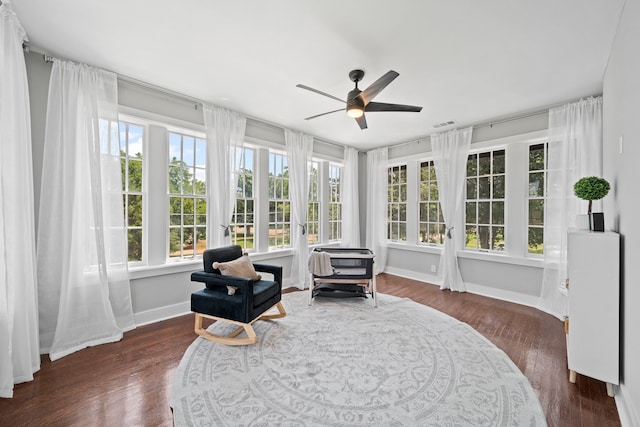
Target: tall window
{"points": [[279, 203], [131, 140], [187, 195], [397, 203], [313, 210], [536, 197], [335, 202], [485, 199], [242, 224], [432, 227]]}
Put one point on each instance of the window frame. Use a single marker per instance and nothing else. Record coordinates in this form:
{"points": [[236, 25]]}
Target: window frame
{"points": [[424, 205], [199, 199], [127, 192], [334, 202], [245, 199], [543, 198], [314, 204], [491, 200], [274, 222]]}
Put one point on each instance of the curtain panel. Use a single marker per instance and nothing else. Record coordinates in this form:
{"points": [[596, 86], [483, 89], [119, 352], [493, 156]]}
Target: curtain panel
{"points": [[19, 348], [225, 136], [83, 285], [377, 198], [299, 150], [450, 151], [349, 199], [575, 151]]}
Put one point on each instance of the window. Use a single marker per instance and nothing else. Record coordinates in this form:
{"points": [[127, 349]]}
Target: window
{"points": [[536, 197], [431, 225], [397, 203], [187, 195], [335, 202], [131, 140], [485, 201], [243, 225], [279, 204], [313, 211]]}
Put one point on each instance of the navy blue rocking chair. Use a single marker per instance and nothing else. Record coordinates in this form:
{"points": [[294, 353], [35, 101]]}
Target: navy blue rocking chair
{"points": [[237, 300]]}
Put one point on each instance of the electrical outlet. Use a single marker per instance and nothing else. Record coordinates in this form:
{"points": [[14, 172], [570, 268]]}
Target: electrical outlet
{"points": [[433, 268]]}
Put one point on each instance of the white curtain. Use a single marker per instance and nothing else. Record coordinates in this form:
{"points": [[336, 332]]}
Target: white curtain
{"points": [[299, 150], [83, 285], [350, 200], [450, 151], [377, 176], [19, 351], [225, 136], [575, 151]]}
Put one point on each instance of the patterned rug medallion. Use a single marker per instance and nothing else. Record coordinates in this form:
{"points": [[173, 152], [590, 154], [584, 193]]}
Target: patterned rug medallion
{"points": [[342, 362]]}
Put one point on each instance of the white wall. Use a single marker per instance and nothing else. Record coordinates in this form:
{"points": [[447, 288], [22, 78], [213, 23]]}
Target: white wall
{"points": [[622, 205]]}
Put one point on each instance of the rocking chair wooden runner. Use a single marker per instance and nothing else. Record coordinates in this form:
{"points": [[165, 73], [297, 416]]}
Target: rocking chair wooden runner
{"points": [[237, 300]]}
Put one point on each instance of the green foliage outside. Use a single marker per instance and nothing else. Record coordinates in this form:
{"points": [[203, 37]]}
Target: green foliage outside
{"points": [[132, 182], [187, 210]]}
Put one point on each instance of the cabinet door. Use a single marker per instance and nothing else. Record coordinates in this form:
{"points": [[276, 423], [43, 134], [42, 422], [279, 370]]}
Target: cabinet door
{"points": [[594, 297]]}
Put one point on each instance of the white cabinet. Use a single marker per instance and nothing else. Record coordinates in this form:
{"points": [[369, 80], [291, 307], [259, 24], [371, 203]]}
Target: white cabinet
{"points": [[593, 336]]}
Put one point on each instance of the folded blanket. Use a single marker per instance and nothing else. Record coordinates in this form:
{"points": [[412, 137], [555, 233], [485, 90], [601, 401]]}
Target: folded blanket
{"points": [[320, 264]]}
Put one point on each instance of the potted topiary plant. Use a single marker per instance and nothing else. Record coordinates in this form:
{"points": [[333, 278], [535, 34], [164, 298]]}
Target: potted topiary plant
{"points": [[592, 188]]}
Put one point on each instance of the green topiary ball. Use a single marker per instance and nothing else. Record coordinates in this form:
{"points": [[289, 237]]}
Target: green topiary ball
{"points": [[591, 188]]}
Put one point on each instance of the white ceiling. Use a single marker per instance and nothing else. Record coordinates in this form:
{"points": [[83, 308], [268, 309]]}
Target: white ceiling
{"points": [[465, 60]]}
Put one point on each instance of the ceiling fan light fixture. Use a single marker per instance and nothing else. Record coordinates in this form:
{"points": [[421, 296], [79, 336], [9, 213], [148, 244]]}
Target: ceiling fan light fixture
{"points": [[355, 111], [355, 105]]}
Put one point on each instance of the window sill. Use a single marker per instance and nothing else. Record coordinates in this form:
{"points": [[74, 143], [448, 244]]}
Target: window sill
{"points": [[429, 249], [171, 267], [504, 259], [174, 267], [465, 254]]}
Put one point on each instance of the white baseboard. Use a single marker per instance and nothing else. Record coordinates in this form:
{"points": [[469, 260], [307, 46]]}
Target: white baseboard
{"points": [[628, 414], [502, 294], [162, 313], [487, 291], [409, 274]]}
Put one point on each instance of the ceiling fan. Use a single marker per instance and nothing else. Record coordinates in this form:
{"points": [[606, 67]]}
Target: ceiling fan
{"points": [[358, 102]]}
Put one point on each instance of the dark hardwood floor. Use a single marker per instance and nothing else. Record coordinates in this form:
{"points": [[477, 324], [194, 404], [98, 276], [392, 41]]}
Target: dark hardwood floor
{"points": [[129, 383]]}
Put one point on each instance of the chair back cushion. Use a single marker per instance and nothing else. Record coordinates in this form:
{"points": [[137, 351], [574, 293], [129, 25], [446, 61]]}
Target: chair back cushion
{"points": [[241, 267], [224, 254]]}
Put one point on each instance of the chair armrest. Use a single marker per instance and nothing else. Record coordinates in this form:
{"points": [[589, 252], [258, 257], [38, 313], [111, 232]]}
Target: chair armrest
{"points": [[276, 270], [212, 280]]}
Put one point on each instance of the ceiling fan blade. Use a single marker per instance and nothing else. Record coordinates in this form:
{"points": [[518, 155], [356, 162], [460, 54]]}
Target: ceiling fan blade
{"points": [[362, 122], [324, 114], [376, 87], [320, 92], [382, 106]]}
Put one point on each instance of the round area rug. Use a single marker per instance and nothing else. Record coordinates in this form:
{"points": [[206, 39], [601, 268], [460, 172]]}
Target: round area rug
{"points": [[343, 362]]}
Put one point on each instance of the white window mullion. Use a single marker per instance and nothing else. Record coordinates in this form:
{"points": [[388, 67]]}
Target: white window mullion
{"points": [[515, 206], [155, 173], [413, 205]]}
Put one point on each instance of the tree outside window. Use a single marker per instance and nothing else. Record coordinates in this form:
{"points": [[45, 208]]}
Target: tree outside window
{"points": [[279, 203], [397, 203], [242, 224], [536, 198], [485, 201], [432, 227], [187, 196], [335, 202], [313, 209], [131, 163]]}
